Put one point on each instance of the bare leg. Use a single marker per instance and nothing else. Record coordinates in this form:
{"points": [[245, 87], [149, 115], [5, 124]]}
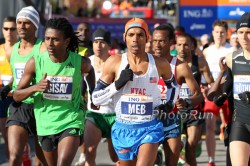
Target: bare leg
{"points": [[67, 149], [17, 138], [193, 137], [112, 153], [51, 157], [92, 137], [210, 138], [147, 154], [39, 159], [239, 153], [172, 149]]}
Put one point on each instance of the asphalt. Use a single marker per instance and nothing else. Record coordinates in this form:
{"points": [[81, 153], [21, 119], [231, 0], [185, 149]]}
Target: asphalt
{"points": [[103, 158]]}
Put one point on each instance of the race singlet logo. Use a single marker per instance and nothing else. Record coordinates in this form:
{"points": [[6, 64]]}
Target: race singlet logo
{"points": [[60, 88], [241, 84], [19, 70], [136, 108], [185, 91]]}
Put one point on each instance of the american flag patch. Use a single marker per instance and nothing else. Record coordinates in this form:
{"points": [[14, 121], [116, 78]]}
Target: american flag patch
{"points": [[152, 80]]}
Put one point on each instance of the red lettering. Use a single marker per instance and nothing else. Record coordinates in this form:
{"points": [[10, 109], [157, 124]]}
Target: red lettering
{"points": [[141, 91]]}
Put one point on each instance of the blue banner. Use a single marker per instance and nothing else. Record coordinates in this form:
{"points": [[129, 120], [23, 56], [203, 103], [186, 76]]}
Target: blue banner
{"points": [[198, 20], [232, 12]]}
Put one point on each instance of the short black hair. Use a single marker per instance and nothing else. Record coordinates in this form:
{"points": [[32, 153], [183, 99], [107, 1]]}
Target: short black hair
{"points": [[167, 27], [63, 25], [180, 28], [9, 19]]}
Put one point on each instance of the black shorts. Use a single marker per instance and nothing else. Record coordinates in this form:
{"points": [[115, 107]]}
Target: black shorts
{"points": [[240, 132], [192, 118], [50, 142], [22, 114]]}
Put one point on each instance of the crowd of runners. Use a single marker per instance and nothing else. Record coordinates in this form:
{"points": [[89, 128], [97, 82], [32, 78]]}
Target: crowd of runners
{"points": [[72, 89]]}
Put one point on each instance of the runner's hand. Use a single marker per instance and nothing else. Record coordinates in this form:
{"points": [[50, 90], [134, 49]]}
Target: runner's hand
{"points": [[4, 92], [43, 84], [244, 97], [125, 76]]}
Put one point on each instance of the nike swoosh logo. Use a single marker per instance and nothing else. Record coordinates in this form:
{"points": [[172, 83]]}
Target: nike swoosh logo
{"points": [[194, 72]]}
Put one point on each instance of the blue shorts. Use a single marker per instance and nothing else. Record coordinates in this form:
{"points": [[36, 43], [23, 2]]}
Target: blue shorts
{"points": [[172, 126], [4, 105], [127, 138]]}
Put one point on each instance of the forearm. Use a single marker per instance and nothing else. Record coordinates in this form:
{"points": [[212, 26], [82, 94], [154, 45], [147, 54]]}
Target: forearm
{"points": [[228, 85], [22, 94], [90, 78], [103, 92], [197, 98], [215, 88]]}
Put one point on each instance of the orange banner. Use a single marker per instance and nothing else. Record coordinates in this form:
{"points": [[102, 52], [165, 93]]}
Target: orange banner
{"points": [[234, 2], [198, 2]]}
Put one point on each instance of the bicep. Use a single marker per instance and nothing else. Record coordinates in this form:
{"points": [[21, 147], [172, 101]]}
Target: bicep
{"points": [[108, 74], [29, 72], [206, 72], [191, 82]]}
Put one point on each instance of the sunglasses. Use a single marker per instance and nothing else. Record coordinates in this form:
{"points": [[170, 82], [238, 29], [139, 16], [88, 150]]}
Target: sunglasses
{"points": [[11, 29]]}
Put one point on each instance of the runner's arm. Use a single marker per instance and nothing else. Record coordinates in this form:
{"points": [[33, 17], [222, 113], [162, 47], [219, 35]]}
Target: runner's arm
{"points": [[23, 90]]}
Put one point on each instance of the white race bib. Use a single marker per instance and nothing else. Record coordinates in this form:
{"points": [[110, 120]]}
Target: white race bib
{"points": [[241, 84], [19, 70], [60, 88], [185, 91], [136, 108]]}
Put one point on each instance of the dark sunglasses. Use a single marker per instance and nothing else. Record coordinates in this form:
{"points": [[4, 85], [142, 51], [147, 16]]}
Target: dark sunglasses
{"points": [[11, 29]]}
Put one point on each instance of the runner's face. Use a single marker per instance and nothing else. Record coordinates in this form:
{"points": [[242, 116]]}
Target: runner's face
{"points": [[100, 47], [244, 37], [183, 46], [219, 34], [84, 32], [25, 28], [55, 42], [136, 40], [161, 43], [9, 31]]}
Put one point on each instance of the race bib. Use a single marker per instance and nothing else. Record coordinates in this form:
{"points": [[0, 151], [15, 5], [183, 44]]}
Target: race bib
{"points": [[60, 88], [136, 108], [185, 91], [5, 79], [241, 84], [163, 89], [19, 70]]}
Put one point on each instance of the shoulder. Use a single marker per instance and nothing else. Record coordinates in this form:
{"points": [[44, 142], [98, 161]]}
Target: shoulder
{"points": [[43, 47], [182, 67], [159, 61]]}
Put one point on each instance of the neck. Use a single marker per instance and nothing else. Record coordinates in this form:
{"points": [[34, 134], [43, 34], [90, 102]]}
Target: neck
{"points": [[188, 59], [138, 58], [219, 45], [246, 54], [59, 59], [28, 42], [9, 44], [101, 59]]}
